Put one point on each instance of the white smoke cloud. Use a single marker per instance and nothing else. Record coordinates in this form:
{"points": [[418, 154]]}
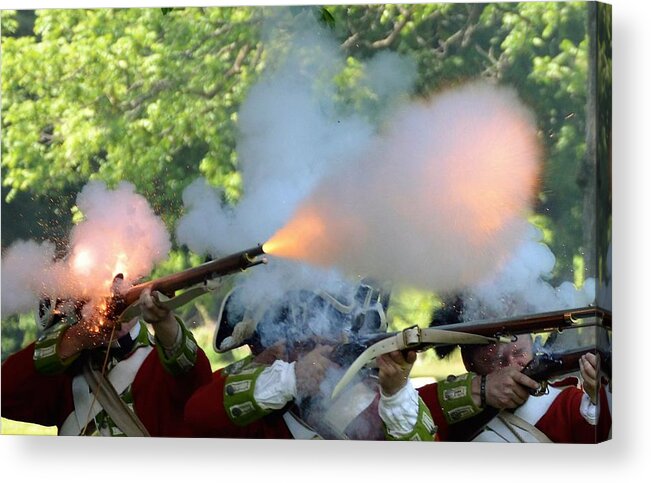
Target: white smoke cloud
{"points": [[119, 234], [292, 135], [390, 75], [262, 285], [522, 286], [25, 266], [267, 286], [437, 199], [438, 202]]}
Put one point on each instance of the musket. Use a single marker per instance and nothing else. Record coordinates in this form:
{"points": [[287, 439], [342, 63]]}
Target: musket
{"points": [[545, 322], [122, 300], [544, 366], [497, 330], [550, 365]]}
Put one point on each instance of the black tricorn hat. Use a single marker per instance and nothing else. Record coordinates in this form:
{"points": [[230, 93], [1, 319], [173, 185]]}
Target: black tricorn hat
{"points": [[241, 322], [236, 322]]}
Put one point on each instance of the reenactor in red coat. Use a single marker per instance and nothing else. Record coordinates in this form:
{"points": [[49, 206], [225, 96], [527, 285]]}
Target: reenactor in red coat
{"points": [[138, 386]]}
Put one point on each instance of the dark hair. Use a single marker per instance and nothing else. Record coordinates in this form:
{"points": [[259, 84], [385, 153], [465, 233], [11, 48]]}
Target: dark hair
{"points": [[450, 312]]}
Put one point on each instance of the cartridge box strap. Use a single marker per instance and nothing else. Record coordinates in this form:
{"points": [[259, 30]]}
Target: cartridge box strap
{"points": [[46, 350], [424, 429], [455, 398], [239, 400], [182, 356], [121, 415]]}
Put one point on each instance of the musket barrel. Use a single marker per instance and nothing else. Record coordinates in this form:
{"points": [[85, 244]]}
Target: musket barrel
{"points": [[346, 353], [192, 276], [531, 323]]}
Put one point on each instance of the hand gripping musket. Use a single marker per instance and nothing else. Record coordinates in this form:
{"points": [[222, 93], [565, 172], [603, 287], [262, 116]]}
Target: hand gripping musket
{"points": [[123, 305], [543, 367], [481, 332]]}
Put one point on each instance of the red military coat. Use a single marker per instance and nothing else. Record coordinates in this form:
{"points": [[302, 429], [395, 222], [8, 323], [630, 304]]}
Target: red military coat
{"points": [[206, 414], [159, 397], [556, 414]]}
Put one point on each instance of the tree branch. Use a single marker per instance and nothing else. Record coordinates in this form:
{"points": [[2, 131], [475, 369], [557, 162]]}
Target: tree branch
{"points": [[496, 67], [463, 35], [239, 60], [134, 107], [474, 11], [397, 28], [348, 43]]}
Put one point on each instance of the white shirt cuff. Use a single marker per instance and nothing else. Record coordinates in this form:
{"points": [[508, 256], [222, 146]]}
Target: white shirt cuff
{"points": [[400, 411], [589, 411], [275, 386]]}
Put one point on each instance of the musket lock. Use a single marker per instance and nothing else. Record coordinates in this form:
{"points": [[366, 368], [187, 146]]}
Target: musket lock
{"points": [[542, 390]]}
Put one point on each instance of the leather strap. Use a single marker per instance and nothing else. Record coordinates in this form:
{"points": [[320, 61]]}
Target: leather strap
{"points": [[119, 378], [123, 417], [410, 338], [509, 419]]}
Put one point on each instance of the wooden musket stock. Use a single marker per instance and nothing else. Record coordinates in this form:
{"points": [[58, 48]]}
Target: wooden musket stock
{"points": [[192, 276], [169, 284]]}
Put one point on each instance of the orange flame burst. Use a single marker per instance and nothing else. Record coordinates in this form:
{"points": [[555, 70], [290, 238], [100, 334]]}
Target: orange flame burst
{"points": [[95, 273], [100, 319], [315, 235], [83, 262], [294, 239], [482, 200]]}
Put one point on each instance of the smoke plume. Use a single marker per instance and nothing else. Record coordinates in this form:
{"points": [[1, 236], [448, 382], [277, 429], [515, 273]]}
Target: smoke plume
{"points": [[522, 286], [292, 134], [26, 266], [120, 233], [439, 201], [434, 195]]}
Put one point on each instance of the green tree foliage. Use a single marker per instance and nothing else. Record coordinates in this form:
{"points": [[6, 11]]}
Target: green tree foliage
{"points": [[151, 96], [126, 95], [17, 332]]}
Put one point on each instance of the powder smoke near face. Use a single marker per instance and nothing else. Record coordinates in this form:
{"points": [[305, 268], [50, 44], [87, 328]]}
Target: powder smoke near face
{"points": [[27, 268], [119, 234]]}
